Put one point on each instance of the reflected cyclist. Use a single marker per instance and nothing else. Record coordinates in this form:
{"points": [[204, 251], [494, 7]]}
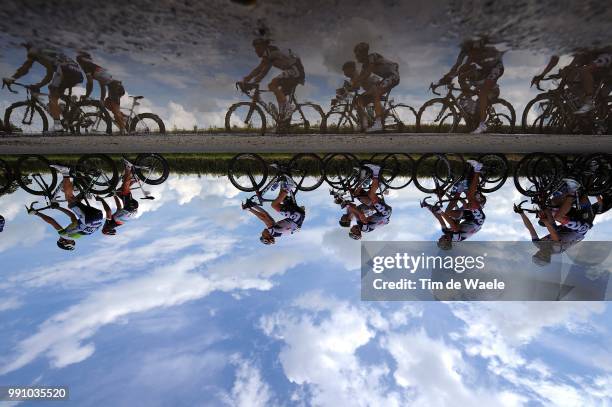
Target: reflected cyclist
{"points": [[461, 223], [84, 219], [284, 204], [61, 73]]}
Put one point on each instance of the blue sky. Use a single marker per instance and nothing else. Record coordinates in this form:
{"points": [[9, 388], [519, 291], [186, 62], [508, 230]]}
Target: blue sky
{"points": [[185, 307]]}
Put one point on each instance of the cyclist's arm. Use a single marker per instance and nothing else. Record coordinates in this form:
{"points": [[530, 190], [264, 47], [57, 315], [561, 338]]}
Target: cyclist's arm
{"points": [[529, 226], [453, 71], [452, 223], [554, 60], [259, 72], [356, 212], [70, 214], [46, 80], [552, 230], [263, 215], [49, 220], [23, 69]]}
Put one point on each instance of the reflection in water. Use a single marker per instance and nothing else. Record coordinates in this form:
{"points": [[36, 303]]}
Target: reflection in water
{"points": [[136, 302]]}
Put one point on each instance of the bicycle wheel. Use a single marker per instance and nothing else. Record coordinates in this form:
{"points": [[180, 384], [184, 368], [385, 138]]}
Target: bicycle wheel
{"points": [[151, 168], [429, 169], [307, 117], [542, 115], [94, 123], [25, 118], [437, 116], [339, 122], [245, 117], [6, 176], [306, 169], [396, 170], [96, 173], [595, 173], [501, 118], [247, 172], [494, 172], [400, 118], [34, 175], [147, 123], [535, 173], [339, 167]]}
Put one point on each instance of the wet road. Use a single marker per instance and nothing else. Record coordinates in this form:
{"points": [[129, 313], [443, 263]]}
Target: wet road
{"points": [[355, 143]]}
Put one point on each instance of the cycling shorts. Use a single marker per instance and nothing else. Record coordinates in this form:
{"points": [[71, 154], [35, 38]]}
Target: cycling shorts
{"points": [[289, 78], [65, 77], [495, 72], [115, 91]]}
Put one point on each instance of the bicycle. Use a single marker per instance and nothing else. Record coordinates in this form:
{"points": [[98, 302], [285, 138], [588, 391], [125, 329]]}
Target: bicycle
{"points": [[29, 116], [451, 113], [249, 172], [138, 123], [93, 174], [538, 171], [251, 116], [343, 115], [553, 110], [444, 170]]}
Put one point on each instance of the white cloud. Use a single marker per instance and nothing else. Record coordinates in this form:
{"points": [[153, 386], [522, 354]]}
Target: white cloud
{"points": [[248, 389]]}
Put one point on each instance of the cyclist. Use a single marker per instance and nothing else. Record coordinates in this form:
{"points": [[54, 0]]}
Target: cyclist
{"points": [[84, 219], [284, 204], [373, 212], [292, 73], [482, 65], [586, 66], [374, 63], [106, 81], [368, 84], [600, 67], [126, 205], [559, 237], [62, 73], [459, 224]]}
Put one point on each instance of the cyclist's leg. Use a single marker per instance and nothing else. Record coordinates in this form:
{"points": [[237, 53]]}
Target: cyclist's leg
{"points": [[486, 88], [276, 204], [113, 103], [275, 87]]}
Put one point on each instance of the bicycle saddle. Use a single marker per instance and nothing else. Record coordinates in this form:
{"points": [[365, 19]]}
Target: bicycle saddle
{"points": [[137, 97]]}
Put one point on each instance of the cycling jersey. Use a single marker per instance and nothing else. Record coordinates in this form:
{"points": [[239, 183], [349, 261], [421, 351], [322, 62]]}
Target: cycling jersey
{"points": [[381, 217], [95, 71], [567, 238], [294, 218], [89, 219], [381, 66], [61, 72], [471, 223]]}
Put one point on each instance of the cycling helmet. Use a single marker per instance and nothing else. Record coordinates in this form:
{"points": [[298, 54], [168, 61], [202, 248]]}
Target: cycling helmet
{"points": [[109, 231], [345, 221], [362, 47], [266, 240], [65, 244], [353, 234], [261, 41], [445, 244], [2, 222]]}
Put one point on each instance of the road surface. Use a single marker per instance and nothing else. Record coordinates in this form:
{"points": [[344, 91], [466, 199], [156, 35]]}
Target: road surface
{"points": [[317, 143]]}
